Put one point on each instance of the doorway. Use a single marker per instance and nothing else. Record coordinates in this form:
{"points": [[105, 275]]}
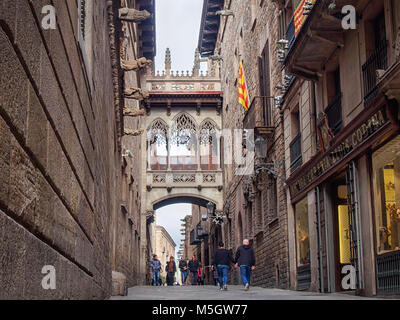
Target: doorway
{"points": [[343, 228]]}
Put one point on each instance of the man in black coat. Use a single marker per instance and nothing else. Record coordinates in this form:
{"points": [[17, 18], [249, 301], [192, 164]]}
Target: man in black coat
{"points": [[193, 268], [170, 268], [221, 261], [245, 258]]}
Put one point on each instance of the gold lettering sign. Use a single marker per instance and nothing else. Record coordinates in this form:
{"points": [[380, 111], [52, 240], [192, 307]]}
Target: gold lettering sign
{"points": [[348, 145]]}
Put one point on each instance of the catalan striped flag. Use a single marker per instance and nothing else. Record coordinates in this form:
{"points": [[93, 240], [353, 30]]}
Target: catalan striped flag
{"points": [[299, 17], [243, 97]]}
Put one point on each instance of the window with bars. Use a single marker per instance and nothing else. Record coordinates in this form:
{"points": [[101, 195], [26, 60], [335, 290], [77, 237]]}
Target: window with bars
{"points": [[264, 82]]}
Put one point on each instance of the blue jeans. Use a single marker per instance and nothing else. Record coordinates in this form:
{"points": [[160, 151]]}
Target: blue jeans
{"points": [[184, 274], [245, 273], [156, 276], [223, 270]]}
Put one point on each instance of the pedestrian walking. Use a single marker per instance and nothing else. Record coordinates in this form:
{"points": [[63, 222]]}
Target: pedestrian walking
{"points": [[193, 268], [183, 266], [155, 266], [200, 275], [246, 260], [221, 262], [170, 269]]}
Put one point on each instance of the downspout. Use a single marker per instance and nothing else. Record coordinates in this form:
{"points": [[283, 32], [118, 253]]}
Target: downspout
{"points": [[318, 213]]}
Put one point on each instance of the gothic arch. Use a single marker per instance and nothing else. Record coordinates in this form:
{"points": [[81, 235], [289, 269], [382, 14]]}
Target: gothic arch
{"points": [[158, 127]]}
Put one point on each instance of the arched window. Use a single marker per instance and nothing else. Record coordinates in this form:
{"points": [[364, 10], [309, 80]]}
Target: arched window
{"points": [[158, 145], [183, 151], [208, 146]]}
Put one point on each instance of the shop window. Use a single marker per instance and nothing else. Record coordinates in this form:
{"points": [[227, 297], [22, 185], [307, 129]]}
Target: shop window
{"points": [[386, 183], [302, 233]]}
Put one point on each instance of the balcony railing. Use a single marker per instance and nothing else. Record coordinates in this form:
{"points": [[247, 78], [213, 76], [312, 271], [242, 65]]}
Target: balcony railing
{"points": [[334, 113], [183, 162], [388, 273], [290, 33], [208, 162], [261, 106], [159, 163], [295, 153], [378, 60]]}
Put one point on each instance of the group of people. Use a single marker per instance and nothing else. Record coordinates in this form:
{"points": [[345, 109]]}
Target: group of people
{"points": [[244, 259], [195, 268], [221, 264], [156, 267]]}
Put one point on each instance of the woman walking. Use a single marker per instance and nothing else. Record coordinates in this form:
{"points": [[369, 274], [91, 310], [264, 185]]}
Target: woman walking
{"points": [[200, 275]]}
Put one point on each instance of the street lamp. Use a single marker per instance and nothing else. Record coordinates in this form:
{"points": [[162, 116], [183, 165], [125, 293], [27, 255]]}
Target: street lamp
{"points": [[210, 208], [260, 145]]}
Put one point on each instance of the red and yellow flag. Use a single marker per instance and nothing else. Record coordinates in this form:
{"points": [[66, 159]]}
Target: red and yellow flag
{"points": [[243, 98], [299, 17]]}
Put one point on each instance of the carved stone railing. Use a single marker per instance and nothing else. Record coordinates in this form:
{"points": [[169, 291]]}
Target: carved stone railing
{"points": [[183, 85], [187, 179]]}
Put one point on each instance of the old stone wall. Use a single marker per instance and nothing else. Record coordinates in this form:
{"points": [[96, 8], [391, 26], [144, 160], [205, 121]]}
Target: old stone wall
{"points": [[59, 153], [244, 37]]}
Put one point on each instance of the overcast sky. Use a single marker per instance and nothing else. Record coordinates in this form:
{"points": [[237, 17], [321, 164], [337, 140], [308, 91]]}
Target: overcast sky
{"points": [[169, 217], [178, 25]]}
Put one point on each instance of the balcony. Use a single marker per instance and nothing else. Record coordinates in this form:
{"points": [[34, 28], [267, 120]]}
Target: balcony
{"points": [[295, 153], [290, 33], [260, 115], [377, 61], [334, 113], [319, 37]]}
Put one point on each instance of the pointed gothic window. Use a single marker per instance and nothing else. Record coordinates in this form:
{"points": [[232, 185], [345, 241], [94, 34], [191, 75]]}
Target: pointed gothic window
{"points": [[208, 146], [158, 145], [183, 152]]}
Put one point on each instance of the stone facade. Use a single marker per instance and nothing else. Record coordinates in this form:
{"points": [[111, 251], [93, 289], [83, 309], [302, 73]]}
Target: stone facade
{"points": [[255, 204], [164, 247], [180, 104], [60, 162]]}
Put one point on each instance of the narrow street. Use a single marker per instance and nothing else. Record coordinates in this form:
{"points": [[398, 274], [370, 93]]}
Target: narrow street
{"points": [[234, 292]]}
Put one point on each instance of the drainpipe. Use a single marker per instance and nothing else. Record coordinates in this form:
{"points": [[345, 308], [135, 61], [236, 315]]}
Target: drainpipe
{"points": [[318, 213], [314, 114]]}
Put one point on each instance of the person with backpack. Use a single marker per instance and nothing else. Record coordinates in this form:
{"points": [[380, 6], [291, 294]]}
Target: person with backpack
{"points": [[221, 262], [155, 266], [183, 267], [193, 268], [246, 260]]}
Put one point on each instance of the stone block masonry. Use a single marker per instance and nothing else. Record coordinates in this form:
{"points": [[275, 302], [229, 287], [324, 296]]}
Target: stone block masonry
{"points": [[58, 160]]}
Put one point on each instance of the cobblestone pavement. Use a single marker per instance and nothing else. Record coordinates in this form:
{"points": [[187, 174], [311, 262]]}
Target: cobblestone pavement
{"points": [[233, 293]]}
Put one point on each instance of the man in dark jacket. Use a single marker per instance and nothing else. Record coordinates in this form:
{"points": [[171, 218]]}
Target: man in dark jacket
{"points": [[193, 268], [170, 268], [183, 266], [221, 260], [246, 260]]}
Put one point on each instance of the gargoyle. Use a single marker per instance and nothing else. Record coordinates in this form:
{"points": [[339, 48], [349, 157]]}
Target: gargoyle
{"points": [[133, 133], [135, 65], [133, 15], [136, 93], [134, 113]]}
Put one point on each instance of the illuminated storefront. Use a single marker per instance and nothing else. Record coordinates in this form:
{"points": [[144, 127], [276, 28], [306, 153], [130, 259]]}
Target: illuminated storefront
{"points": [[332, 196]]}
